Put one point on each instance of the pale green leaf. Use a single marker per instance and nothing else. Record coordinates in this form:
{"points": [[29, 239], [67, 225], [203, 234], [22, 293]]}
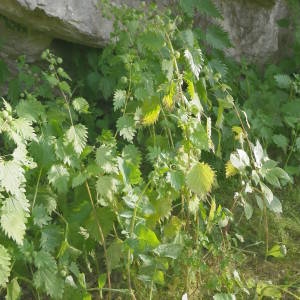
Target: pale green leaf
{"points": [[105, 159], [200, 179], [125, 126], [14, 214], [13, 290], [5, 266], [119, 99], [77, 136], [80, 105]]}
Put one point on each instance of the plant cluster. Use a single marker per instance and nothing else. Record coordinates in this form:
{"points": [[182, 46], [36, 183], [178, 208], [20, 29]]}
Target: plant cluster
{"points": [[130, 210]]}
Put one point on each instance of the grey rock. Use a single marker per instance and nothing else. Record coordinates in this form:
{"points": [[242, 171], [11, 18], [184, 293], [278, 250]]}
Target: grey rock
{"points": [[253, 29]]}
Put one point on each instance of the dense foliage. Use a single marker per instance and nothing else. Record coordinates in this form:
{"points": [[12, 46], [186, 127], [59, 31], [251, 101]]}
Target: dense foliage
{"points": [[130, 204]]}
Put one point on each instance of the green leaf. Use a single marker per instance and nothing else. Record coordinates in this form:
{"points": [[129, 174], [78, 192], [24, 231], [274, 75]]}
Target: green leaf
{"points": [[102, 280], [114, 254], [195, 60], [200, 179], [106, 186], [5, 266], [11, 176], [223, 296], [79, 179], [132, 154], [30, 109], [105, 159], [277, 251], [105, 217], [81, 105], [152, 40], [24, 129], [176, 179], [268, 195], [283, 81], [65, 87], [281, 141], [158, 277], [125, 126], [146, 237], [217, 38], [40, 216], [275, 205], [119, 99], [46, 277], [77, 136], [14, 214], [208, 8], [13, 290], [248, 209], [58, 176], [169, 250]]}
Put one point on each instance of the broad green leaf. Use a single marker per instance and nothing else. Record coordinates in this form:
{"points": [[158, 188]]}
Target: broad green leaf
{"points": [[40, 216], [151, 109], [159, 277], [114, 254], [146, 237], [152, 40], [248, 209], [268, 195], [240, 159], [283, 81], [102, 280], [200, 179], [77, 136], [275, 205], [24, 129], [5, 266], [277, 251], [13, 290]]}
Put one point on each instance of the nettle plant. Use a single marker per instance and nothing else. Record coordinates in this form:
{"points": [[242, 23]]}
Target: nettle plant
{"points": [[133, 211]]}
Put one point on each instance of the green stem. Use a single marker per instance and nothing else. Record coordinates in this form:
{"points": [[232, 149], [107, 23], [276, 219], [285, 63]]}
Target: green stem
{"points": [[36, 188], [102, 239], [130, 235]]}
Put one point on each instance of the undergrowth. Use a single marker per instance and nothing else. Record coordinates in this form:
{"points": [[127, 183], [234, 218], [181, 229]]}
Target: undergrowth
{"points": [[133, 205]]}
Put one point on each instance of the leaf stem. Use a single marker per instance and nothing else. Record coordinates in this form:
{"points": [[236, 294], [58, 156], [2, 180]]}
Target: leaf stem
{"points": [[36, 188], [102, 239]]}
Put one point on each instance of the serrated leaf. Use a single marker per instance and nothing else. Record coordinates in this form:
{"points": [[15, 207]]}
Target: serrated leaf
{"points": [[240, 159], [105, 217], [40, 216], [58, 176], [11, 176], [105, 159], [24, 129], [79, 179], [14, 214], [200, 179], [208, 8], [46, 277], [125, 126], [283, 81], [132, 153], [152, 40], [80, 105], [30, 109], [77, 136], [147, 237], [217, 38], [119, 99], [5, 266], [106, 186], [195, 60], [222, 296], [65, 87]]}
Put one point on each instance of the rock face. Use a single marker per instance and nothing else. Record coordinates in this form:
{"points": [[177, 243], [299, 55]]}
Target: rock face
{"points": [[252, 28]]}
